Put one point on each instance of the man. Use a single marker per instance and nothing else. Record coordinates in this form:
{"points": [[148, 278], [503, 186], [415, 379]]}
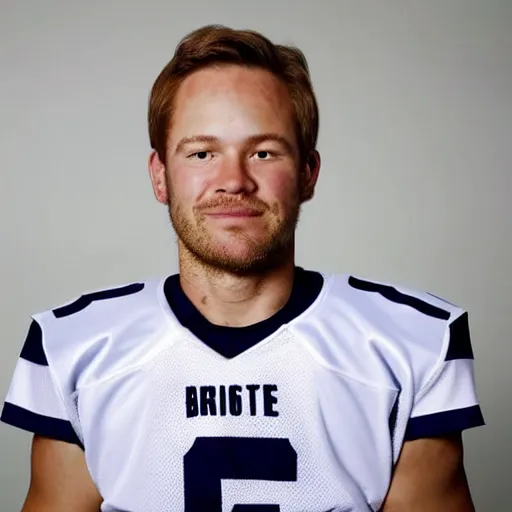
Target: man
{"points": [[244, 383]]}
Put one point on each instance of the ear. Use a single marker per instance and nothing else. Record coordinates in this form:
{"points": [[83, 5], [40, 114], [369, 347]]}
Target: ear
{"points": [[158, 178], [309, 176]]}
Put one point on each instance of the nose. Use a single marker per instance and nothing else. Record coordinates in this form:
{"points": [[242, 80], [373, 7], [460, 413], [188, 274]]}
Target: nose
{"points": [[234, 177]]}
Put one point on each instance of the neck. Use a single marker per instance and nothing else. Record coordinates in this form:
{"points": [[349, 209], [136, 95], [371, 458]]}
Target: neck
{"points": [[229, 299]]}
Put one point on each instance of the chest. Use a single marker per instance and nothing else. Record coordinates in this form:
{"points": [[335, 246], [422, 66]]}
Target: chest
{"points": [[193, 431]]}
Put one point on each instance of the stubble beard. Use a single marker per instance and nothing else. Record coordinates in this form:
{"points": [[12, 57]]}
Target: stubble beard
{"points": [[261, 253]]}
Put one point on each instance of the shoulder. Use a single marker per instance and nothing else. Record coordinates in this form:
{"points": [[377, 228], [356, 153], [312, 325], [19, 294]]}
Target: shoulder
{"points": [[399, 305], [107, 329], [427, 322], [404, 331], [99, 309], [408, 314]]}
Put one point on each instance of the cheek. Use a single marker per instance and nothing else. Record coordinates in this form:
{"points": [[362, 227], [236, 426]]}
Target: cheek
{"points": [[281, 188], [187, 187]]}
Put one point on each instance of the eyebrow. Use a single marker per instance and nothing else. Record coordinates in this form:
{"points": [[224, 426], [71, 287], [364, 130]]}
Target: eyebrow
{"points": [[196, 138], [253, 139], [263, 137]]}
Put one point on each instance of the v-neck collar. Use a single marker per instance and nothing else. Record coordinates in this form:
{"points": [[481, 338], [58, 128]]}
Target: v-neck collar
{"points": [[232, 341]]}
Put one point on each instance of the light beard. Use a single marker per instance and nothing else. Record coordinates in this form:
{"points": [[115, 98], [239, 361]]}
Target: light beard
{"points": [[260, 255]]}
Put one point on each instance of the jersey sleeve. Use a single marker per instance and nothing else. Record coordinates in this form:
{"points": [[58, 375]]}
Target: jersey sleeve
{"points": [[34, 402], [447, 401]]}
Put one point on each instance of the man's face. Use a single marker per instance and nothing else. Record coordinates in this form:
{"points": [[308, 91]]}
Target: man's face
{"points": [[233, 183]]}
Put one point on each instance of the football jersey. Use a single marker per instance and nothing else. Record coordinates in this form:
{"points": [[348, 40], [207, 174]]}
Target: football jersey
{"points": [[306, 411]]}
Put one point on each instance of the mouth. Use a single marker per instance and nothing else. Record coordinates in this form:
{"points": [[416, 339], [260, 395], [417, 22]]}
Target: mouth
{"points": [[233, 213]]}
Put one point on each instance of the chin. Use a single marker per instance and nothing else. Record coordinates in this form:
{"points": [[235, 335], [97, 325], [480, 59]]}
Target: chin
{"points": [[242, 267], [238, 251], [236, 261], [241, 260]]}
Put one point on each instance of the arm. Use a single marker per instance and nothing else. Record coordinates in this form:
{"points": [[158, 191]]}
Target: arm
{"points": [[60, 481], [429, 477]]}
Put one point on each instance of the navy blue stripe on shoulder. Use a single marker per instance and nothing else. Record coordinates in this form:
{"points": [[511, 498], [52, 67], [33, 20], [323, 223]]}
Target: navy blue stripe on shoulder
{"points": [[45, 426], [460, 339], [393, 295], [33, 350], [444, 423], [86, 300]]}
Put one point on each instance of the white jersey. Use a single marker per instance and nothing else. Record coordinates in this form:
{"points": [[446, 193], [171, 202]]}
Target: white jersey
{"points": [[304, 412]]}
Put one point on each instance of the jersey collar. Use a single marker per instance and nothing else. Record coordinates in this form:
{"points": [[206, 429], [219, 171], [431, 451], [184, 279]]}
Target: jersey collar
{"points": [[232, 341]]}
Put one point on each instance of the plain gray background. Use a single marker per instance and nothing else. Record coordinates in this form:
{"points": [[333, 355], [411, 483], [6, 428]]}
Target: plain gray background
{"points": [[416, 124]]}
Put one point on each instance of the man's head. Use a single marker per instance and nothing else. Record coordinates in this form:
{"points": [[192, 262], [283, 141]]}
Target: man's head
{"points": [[233, 122]]}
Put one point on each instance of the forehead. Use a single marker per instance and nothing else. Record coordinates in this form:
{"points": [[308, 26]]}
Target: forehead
{"points": [[229, 101]]}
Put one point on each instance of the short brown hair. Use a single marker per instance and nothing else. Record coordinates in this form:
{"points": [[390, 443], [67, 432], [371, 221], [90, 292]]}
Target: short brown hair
{"points": [[216, 44]]}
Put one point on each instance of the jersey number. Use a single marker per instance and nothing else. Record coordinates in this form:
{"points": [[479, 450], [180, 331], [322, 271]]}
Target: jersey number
{"points": [[211, 459]]}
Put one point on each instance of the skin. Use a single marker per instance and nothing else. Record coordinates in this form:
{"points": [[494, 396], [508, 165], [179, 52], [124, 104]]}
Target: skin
{"points": [[237, 270], [234, 195], [430, 477], [60, 480]]}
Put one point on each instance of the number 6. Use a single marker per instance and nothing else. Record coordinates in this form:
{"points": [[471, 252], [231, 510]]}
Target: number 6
{"points": [[211, 459]]}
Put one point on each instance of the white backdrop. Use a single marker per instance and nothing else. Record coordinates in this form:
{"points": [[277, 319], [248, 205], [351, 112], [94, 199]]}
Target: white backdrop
{"points": [[416, 124]]}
